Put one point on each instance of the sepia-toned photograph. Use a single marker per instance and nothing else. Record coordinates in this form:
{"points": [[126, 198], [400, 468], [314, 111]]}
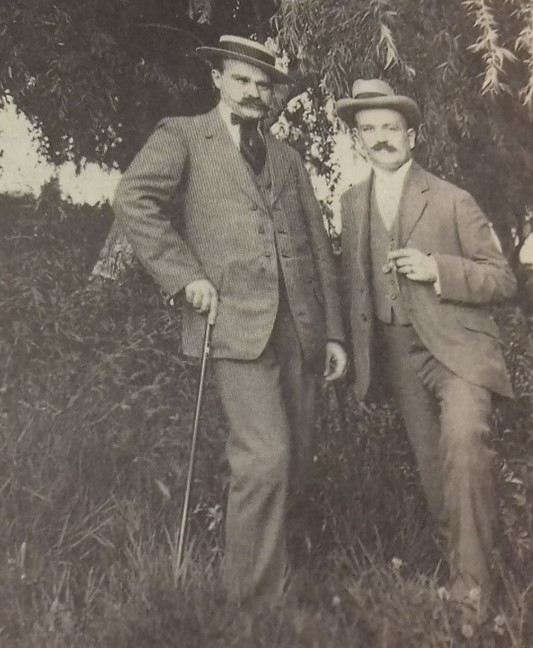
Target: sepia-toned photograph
{"points": [[266, 324]]}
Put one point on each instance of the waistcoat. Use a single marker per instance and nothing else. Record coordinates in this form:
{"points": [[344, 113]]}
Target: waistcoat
{"points": [[388, 306]]}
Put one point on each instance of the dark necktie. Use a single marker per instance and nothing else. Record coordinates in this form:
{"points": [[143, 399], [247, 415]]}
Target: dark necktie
{"points": [[252, 146]]}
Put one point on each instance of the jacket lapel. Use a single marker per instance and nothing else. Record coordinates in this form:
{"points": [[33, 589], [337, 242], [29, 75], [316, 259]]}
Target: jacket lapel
{"points": [[413, 202], [226, 154], [359, 210], [278, 162]]}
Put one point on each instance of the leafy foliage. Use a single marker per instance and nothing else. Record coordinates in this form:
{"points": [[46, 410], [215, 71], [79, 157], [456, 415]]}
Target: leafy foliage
{"points": [[97, 75], [468, 65]]}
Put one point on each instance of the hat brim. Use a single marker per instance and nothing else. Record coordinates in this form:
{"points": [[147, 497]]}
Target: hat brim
{"points": [[347, 108], [214, 53]]}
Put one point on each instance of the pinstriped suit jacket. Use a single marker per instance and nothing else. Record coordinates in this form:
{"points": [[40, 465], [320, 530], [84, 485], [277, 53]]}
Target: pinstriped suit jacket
{"points": [[227, 233]]}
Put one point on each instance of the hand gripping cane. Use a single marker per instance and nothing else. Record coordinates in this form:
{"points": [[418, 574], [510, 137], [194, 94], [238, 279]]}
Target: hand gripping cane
{"points": [[194, 437]]}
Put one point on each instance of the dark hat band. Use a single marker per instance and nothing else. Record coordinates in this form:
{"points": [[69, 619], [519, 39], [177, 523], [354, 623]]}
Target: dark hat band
{"points": [[370, 95], [239, 48]]}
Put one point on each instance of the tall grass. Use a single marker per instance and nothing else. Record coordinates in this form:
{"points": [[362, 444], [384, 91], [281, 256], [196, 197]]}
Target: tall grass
{"points": [[96, 412]]}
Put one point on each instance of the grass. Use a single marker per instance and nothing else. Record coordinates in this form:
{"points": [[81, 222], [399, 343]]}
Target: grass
{"points": [[95, 418]]}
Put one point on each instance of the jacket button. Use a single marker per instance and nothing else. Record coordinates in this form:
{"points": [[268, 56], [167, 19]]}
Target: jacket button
{"points": [[394, 297], [268, 255], [253, 206]]}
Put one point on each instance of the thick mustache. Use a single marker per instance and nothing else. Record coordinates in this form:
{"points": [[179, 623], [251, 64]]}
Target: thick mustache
{"points": [[383, 146], [253, 103]]}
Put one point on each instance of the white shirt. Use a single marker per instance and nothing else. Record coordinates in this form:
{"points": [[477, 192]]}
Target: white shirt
{"points": [[388, 189]]}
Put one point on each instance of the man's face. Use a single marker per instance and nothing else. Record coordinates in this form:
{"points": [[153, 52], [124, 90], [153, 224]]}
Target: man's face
{"points": [[246, 89], [385, 137]]}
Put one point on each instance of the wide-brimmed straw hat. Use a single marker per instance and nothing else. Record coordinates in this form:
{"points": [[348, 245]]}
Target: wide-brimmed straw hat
{"points": [[375, 93], [248, 51]]}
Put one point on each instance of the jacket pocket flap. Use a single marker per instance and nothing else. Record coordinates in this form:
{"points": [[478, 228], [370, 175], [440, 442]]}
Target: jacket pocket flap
{"points": [[482, 323]]}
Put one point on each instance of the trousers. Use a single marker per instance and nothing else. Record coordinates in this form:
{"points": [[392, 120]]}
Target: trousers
{"points": [[448, 424], [269, 403]]}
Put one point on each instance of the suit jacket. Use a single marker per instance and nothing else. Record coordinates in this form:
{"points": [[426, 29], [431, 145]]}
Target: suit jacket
{"points": [[223, 230], [442, 220]]}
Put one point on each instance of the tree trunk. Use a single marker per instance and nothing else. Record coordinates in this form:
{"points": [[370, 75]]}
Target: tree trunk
{"points": [[115, 256]]}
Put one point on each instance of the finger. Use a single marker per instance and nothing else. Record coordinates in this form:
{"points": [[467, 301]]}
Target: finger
{"points": [[405, 270], [404, 261], [337, 365], [205, 305], [342, 363], [328, 368], [197, 299], [400, 253], [191, 296], [213, 310], [334, 374]]}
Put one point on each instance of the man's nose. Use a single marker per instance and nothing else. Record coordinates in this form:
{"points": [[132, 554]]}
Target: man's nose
{"points": [[382, 140], [253, 90]]}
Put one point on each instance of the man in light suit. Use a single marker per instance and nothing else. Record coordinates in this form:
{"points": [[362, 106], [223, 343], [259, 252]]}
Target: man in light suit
{"points": [[249, 251], [420, 266]]}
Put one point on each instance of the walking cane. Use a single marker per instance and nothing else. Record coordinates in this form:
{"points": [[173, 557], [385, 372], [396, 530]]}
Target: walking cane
{"points": [[194, 437]]}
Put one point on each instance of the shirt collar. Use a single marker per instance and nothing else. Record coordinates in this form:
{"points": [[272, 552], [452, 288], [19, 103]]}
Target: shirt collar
{"points": [[398, 177], [225, 113]]}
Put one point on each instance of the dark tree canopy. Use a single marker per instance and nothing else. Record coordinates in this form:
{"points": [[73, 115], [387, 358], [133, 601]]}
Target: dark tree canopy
{"points": [[96, 75]]}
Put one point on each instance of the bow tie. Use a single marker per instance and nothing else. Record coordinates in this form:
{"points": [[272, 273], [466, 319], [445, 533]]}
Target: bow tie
{"points": [[252, 146], [244, 121]]}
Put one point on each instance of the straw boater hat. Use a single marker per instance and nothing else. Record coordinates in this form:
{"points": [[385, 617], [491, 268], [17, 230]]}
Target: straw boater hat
{"points": [[375, 93], [248, 51]]}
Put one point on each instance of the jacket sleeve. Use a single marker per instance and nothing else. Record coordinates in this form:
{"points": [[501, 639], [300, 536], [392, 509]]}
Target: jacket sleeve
{"points": [[481, 275], [152, 180], [322, 253]]}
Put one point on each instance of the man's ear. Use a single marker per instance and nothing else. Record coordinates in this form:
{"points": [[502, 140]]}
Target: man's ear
{"points": [[216, 76], [358, 145], [411, 134]]}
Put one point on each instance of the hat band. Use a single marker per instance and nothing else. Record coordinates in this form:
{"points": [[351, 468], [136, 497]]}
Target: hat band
{"points": [[238, 48], [370, 95]]}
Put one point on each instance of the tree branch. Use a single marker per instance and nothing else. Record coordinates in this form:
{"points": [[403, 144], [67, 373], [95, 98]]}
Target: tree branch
{"points": [[176, 29], [259, 22]]}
